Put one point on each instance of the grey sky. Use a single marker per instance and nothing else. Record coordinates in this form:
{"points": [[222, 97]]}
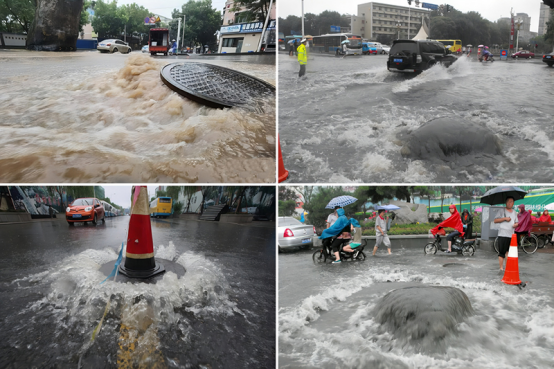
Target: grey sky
{"points": [[489, 9], [121, 195], [165, 7]]}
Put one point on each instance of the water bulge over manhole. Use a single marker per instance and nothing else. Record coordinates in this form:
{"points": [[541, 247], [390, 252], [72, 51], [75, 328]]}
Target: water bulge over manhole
{"points": [[215, 86]]}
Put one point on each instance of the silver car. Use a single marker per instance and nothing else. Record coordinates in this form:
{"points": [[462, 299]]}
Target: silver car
{"points": [[293, 234], [112, 46]]}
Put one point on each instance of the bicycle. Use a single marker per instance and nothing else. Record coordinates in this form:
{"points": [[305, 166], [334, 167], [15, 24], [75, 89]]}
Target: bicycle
{"points": [[529, 244], [325, 254]]}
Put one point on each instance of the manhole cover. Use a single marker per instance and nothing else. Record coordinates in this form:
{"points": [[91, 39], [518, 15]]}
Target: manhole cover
{"points": [[215, 86]]}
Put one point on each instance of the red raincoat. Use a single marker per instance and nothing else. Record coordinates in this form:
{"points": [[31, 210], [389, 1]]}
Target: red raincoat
{"points": [[453, 221]]}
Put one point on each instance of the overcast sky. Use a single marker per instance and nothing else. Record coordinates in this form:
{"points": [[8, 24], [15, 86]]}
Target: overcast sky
{"points": [[121, 195], [489, 9], [165, 7]]}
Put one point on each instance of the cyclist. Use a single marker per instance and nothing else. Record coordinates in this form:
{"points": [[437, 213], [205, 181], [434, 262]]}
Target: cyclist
{"points": [[486, 53], [508, 223], [524, 223], [453, 221]]}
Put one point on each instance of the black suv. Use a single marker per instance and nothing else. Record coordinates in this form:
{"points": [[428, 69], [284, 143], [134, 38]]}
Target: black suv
{"points": [[417, 55]]}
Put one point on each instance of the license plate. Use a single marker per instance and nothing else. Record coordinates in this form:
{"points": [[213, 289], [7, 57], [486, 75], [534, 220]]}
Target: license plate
{"points": [[398, 60], [306, 240], [548, 57], [76, 215]]}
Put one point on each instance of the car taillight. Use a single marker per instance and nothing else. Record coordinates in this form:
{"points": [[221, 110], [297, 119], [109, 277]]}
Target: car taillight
{"points": [[108, 44], [288, 233], [314, 229]]}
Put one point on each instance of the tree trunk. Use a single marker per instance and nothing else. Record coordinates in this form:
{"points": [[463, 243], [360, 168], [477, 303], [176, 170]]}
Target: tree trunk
{"points": [[56, 25]]}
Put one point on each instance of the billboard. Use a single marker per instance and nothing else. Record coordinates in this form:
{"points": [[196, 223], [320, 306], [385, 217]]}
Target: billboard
{"points": [[335, 29]]}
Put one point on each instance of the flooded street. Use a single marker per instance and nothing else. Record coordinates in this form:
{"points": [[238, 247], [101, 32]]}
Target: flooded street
{"points": [[333, 316], [217, 311], [91, 117], [353, 121]]}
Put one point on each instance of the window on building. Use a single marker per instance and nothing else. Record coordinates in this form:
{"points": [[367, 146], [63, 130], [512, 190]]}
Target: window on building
{"points": [[232, 42]]}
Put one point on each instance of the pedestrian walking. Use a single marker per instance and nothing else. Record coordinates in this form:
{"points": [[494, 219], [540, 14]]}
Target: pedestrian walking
{"points": [[467, 221], [302, 58], [381, 232], [291, 49], [508, 223]]}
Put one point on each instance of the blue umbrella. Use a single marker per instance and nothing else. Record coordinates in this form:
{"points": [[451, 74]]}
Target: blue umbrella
{"points": [[388, 207], [291, 41], [341, 201]]}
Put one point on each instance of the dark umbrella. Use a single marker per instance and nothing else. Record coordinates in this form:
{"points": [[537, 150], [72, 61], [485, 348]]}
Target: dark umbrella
{"points": [[499, 195]]}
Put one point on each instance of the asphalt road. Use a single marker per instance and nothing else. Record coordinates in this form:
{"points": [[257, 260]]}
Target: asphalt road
{"points": [[220, 313]]}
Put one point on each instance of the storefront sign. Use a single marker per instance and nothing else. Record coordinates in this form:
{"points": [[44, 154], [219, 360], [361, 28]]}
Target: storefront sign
{"points": [[247, 27]]}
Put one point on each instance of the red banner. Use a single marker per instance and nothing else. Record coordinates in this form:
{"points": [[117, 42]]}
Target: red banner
{"points": [[512, 34]]}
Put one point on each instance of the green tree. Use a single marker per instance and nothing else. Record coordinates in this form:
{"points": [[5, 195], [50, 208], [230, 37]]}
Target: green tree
{"points": [[108, 20], [189, 191], [133, 18], [202, 22], [316, 207], [16, 16], [287, 201], [293, 23]]}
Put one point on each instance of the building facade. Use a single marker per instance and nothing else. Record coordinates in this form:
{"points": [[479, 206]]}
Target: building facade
{"points": [[240, 33], [544, 17], [379, 19]]}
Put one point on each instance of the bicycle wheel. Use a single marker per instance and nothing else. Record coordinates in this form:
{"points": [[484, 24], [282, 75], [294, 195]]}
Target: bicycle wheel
{"points": [[543, 240], [468, 250], [360, 256], [430, 248], [529, 244], [319, 257], [496, 245]]}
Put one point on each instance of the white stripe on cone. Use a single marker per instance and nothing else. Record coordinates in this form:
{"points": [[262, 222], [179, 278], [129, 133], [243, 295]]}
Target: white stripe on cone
{"points": [[512, 253]]}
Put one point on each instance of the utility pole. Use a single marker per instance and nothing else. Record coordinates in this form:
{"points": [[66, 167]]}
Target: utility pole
{"points": [[183, 39], [302, 18], [265, 26], [125, 34], [178, 34]]}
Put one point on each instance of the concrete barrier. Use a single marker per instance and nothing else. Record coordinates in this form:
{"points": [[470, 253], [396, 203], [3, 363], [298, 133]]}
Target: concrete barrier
{"points": [[18, 217]]}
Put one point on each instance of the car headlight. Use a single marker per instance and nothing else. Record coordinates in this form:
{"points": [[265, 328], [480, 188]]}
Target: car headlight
{"points": [[88, 208], [67, 210]]}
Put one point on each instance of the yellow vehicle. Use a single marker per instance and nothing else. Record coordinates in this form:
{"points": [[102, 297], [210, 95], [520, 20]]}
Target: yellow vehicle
{"points": [[455, 46], [161, 207]]}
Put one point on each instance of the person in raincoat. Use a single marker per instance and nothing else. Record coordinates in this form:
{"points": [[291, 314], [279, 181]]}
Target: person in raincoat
{"points": [[545, 217], [453, 221], [302, 57], [467, 220], [524, 223], [340, 228]]}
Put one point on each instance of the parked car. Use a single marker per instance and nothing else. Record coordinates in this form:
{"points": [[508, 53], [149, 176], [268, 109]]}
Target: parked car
{"points": [[293, 234], [85, 210], [145, 49], [386, 49], [113, 45], [548, 59], [523, 54], [415, 56]]}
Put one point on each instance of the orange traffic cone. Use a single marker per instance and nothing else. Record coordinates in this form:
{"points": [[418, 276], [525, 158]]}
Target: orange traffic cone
{"points": [[139, 258], [511, 275], [283, 173]]}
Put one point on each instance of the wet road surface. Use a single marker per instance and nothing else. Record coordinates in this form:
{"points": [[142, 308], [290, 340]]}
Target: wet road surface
{"points": [[328, 313], [351, 120], [220, 313], [92, 117]]}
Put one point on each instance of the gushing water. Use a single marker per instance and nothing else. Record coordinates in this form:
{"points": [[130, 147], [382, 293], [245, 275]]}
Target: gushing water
{"points": [[104, 124]]}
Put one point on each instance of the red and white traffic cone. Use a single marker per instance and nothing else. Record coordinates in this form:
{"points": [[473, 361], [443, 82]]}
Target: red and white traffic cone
{"points": [[139, 258], [283, 173], [511, 275]]}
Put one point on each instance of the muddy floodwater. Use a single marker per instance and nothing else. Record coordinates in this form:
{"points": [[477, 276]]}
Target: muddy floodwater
{"points": [[446, 311], [91, 117], [351, 120]]}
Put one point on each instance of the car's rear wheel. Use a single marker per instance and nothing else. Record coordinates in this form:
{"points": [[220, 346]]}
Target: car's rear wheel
{"points": [[550, 64], [104, 219], [114, 50], [94, 221]]}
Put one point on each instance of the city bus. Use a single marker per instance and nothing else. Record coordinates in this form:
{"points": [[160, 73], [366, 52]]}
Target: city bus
{"points": [[161, 207], [329, 43], [455, 46]]}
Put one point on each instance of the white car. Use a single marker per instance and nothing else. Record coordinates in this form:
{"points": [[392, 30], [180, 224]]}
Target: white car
{"points": [[145, 49], [386, 49]]}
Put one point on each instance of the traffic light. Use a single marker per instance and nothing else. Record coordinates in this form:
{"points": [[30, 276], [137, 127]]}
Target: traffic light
{"points": [[409, 2], [448, 8], [549, 3]]}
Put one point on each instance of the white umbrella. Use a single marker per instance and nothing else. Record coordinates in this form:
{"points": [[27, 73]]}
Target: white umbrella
{"points": [[549, 206]]}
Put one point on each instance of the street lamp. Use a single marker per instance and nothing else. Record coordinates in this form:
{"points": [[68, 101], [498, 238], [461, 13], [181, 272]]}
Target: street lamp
{"points": [[398, 25], [518, 22]]}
